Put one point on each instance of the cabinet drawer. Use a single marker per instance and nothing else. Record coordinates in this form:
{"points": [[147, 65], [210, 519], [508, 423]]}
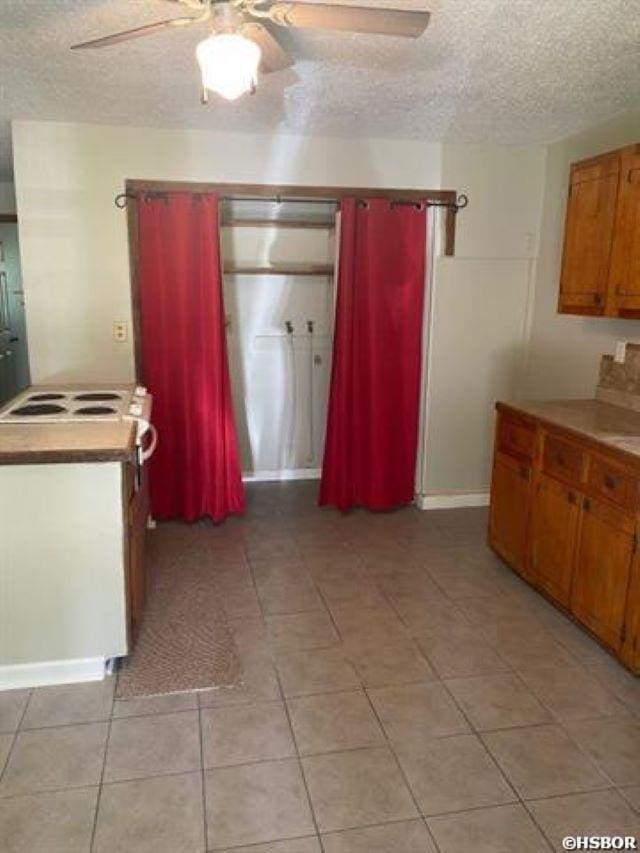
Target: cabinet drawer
{"points": [[562, 460], [515, 437], [613, 483]]}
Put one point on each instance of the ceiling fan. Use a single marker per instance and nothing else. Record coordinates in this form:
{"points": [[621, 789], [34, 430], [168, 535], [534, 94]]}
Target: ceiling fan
{"points": [[239, 44]]}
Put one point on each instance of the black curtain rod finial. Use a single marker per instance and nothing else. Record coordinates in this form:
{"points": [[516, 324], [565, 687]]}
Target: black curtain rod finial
{"points": [[121, 199]]}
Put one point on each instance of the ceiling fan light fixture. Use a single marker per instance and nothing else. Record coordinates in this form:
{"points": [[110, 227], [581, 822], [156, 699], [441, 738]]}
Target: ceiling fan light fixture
{"points": [[228, 64]]}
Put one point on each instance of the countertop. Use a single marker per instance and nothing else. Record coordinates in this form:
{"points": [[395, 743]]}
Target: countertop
{"points": [[88, 441], [614, 426]]}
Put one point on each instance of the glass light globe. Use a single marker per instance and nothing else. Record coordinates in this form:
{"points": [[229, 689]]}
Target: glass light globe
{"points": [[229, 64]]}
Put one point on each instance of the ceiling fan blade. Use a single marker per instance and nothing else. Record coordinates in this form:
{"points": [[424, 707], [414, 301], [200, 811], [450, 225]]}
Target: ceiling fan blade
{"points": [[273, 57], [357, 19], [138, 32]]}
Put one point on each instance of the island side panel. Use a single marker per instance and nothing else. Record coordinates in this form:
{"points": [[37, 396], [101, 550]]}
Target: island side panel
{"points": [[62, 578]]}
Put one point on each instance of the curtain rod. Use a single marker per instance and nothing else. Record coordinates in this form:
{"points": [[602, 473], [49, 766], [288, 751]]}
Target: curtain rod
{"points": [[460, 203]]}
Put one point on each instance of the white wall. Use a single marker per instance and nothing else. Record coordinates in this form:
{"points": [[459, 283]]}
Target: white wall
{"points": [[74, 241], [75, 262], [565, 350], [481, 305], [7, 197]]}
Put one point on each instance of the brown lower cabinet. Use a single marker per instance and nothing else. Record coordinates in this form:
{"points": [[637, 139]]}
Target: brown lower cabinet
{"points": [[564, 515], [136, 512]]}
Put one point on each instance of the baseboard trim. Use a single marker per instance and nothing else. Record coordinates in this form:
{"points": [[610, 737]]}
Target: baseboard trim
{"points": [[50, 672], [281, 475], [452, 500]]}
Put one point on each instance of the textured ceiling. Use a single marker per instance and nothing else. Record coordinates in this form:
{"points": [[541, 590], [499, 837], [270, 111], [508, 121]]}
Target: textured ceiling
{"points": [[508, 71]]}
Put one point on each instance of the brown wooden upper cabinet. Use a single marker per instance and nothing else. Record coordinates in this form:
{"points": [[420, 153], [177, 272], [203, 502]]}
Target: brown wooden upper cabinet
{"points": [[601, 256]]}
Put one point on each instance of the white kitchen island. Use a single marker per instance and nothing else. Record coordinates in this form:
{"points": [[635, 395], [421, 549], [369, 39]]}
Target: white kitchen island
{"points": [[72, 528]]}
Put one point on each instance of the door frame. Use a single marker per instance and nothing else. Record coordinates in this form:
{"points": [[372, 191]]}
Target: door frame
{"points": [[134, 187]]}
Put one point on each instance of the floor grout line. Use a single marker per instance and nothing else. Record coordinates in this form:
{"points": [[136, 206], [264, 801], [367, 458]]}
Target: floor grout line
{"points": [[104, 765], [294, 741], [15, 733]]}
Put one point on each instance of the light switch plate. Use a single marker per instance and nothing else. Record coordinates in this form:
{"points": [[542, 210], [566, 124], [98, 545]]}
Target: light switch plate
{"points": [[621, 352], [120, 331]]}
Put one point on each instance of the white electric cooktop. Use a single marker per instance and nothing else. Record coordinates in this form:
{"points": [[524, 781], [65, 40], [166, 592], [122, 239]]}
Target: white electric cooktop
{"points": [[37, 406]]}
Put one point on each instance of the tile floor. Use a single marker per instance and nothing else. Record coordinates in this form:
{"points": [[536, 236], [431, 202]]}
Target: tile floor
{"points": [[403, 692]]}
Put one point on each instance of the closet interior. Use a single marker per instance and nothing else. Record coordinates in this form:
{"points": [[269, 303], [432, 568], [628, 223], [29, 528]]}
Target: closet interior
{"points": [[279, 258]]}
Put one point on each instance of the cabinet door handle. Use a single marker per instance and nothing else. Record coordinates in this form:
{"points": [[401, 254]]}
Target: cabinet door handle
{"points": [[524, 473], [571, 497], [609, 481], [597, 298], [586, 504], [560, 458]]}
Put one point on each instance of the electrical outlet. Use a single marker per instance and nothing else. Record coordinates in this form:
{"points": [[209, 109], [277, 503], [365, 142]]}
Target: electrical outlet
{"points": [[120, 331]]}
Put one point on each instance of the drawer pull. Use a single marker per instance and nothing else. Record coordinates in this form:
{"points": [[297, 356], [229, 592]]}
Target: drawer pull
{"points": [[524, 473], [609, 481], [586, 504], [597, 299]]}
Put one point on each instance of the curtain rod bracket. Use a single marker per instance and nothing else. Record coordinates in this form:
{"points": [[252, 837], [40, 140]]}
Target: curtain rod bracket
{"points": [[121, 199]]}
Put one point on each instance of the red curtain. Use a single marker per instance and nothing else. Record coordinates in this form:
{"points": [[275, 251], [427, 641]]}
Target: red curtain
{"points": [[195, 471], [372, 426]]}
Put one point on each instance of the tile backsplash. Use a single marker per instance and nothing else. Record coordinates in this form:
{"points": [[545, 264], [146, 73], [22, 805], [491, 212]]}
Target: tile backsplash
{"points": [[619, 383]]}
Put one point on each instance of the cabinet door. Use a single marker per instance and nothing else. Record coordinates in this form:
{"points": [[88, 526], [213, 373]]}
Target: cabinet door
{"points": [[509, 512], [588, 233], [625, 259], [602, 570], [554, 526]]}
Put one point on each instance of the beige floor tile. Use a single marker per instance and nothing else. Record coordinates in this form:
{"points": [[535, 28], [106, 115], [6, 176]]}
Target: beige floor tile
{"points": [[526, 649], [5, 746], [240, 603], [428, 615], [380, 662], [632, 796], [44, 759], [458, 657], [497, 702], [256, 803], [359, 788], [617, 680], [597, 813], [613, 743], [282, 597], [357, 623], [413, 712], [239, 735], [403, 583], [12, 705], [453, 774], [542, 761], [301, 631], [70, 703], [333, 722], [465, 583], [349, 592], [55, 822], [409, 836], [144, 705], [258, 684], [501, 829], [294, 845], [570, 693], [153, 745], [324, 670], [160, 815]]}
